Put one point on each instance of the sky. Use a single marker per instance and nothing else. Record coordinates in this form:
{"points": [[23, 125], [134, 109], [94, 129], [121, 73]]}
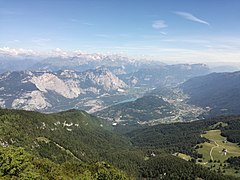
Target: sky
{"points": [[164, 30]]}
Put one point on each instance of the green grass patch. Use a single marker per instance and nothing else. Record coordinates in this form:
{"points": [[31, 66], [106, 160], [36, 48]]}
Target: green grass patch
{"points": [[43, 139], [183, 156], [213, 154]]}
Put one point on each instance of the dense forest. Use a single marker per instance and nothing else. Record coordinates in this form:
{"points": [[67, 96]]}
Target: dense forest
{"points": [[145, 108], [234, 162], [177, 137], [232, 131], [182, 136], [76, 145]]}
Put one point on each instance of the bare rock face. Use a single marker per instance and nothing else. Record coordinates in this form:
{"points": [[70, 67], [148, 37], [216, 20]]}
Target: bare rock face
{"points": [[105, 79], [50, 82], [34, 100], [44, 90]]}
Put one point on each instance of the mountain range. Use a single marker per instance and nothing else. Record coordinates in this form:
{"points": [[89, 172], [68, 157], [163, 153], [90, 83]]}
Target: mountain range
{"points": [[91, 90], [200, 97], [48, 91], [144, 125], [165, 75]]}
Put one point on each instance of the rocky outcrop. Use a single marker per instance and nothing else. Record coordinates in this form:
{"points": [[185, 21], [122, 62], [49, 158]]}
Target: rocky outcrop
{"points": [[44, 90]]}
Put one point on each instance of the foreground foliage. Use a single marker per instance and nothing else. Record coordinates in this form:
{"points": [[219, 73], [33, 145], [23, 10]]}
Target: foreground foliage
{"points": [[16, 163]]}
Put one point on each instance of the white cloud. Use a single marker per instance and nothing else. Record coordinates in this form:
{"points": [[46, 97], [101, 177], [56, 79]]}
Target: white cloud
{"points": [[191, 49], [20, 52], [17, 52], [191, 17], [59, 53], [159, 24]]}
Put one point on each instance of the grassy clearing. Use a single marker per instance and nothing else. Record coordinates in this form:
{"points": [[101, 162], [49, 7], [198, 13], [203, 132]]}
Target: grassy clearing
{"points": [[183, 156], [43, 139], [217, 144], [213, 155]]}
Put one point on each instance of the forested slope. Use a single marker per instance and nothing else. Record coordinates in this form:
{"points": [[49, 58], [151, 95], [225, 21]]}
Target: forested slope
{"points": [[74, 144]]}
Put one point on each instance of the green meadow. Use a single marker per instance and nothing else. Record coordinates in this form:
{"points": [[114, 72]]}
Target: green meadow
{"points": [[213, 155]]}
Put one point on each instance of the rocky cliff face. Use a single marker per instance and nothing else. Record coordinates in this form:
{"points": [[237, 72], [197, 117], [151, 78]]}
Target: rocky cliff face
{"points": [[42, 90]]}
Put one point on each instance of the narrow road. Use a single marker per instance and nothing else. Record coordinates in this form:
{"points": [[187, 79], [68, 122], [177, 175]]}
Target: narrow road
{"points": [[217, 145], [62, 148]]}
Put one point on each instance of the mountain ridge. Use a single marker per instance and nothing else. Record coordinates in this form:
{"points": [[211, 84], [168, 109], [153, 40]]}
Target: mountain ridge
{"points": [[217, 91]]}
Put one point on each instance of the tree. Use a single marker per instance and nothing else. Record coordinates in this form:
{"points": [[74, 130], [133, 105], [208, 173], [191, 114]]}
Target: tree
{"points": [[16, 162]]}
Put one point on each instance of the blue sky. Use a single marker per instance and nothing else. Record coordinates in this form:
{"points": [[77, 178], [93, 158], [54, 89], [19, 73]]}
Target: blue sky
{"points": [[166, 30]]}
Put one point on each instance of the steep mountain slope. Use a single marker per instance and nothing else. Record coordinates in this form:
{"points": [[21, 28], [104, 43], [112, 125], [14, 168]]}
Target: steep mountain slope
{"points": [[53, 91], [66, 136], [72, 136], [16, 163], [219, 92], [72, 140]]}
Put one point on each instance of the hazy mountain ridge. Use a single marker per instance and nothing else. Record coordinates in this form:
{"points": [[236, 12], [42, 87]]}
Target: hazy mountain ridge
{"points": [[164, 75], [17, 60], [219, 92]]}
